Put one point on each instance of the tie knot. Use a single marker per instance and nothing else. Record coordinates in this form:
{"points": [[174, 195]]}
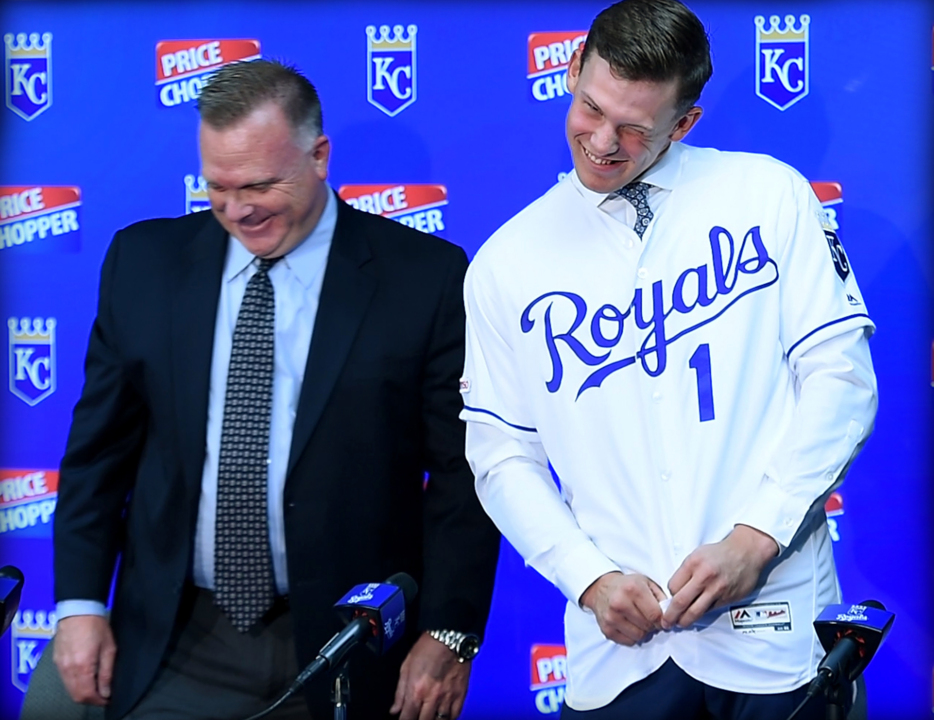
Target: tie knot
{"points": [[266, 263], [634, 191]]}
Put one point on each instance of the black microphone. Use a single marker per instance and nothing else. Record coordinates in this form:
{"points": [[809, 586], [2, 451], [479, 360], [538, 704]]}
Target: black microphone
{"points": [[850, 634], [11, 587]]}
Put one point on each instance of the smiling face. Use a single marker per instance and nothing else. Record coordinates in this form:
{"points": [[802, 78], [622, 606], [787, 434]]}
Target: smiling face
{"points": [[618, 128], [266, 185]]}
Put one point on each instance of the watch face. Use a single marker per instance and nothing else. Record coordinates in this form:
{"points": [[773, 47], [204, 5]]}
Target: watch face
{"points": [[469, 647]]}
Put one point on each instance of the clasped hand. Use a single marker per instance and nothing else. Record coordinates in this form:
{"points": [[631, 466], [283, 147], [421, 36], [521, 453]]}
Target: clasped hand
{"points": [[627, 606]]}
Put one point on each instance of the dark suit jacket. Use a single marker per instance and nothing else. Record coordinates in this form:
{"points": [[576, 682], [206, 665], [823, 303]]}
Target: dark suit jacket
{"points": [[378, 408]]}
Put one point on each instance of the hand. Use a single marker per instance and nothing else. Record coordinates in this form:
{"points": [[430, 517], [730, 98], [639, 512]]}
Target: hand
{"points": [[84, 654], [718, 574], [626, 606], [432, 682]]}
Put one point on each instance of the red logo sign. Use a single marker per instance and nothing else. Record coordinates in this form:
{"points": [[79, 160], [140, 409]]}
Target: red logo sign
{"points": [[182, 66], [549, 666], [417, 206], [30, 214]]}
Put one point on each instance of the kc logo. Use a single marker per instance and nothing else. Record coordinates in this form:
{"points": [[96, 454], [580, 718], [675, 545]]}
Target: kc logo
{"points": [[782, 60], [390, 62], [28, 72], [30, 632], [32, 359], [196, 194]]}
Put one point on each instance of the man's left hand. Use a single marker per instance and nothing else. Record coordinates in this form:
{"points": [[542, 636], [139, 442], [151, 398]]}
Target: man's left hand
{"points": [[432, 683], [718, 574]]}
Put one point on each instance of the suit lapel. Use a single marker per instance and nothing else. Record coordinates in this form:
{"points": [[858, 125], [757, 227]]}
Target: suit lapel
{"points": [[345, 295], [194, 310]]}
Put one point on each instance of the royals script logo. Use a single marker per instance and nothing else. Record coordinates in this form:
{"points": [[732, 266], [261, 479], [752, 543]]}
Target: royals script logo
{"points": [[29, 634], [28, 72], [782, 60], [662, 315], [390, 62], [32, 359]]}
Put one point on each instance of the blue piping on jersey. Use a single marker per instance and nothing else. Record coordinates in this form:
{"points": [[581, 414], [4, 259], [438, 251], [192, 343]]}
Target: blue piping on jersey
{"points": [[517, 427], [818, 329]]}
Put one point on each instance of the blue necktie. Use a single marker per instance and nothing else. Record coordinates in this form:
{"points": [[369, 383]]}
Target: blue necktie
{"points": [[637, 194]]}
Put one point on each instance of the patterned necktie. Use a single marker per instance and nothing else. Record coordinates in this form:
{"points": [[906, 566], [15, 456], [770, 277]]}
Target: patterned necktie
{"points": [[243, 578], [637, 194]]}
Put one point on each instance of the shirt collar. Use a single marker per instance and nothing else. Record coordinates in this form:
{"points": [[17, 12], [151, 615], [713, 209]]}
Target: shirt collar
{"points": [[304, 258], [663, 174]]}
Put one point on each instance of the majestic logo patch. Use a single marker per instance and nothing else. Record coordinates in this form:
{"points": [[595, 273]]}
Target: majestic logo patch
{"points": [[761, 617], [183, 66], [390, 68], [548, 58], [29, 634], [40, 219], [782, 60], [417, 206], [27, 502], [28, 72], [32, 359], [549, 676], [196, 194]]}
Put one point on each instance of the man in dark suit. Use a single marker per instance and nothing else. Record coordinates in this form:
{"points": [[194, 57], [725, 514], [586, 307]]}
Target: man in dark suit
{"points": [[266, 386]]}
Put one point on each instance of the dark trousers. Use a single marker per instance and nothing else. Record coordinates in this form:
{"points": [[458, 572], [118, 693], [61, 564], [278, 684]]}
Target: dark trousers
{"points": [[212, 671], [671, 694]]}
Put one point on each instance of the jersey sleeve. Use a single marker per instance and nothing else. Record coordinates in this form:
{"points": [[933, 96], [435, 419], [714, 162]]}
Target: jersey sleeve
{"points": [[491, 386], [819, 295]]}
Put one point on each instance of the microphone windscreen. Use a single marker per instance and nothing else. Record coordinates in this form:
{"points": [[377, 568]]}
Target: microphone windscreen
{"points": [[407, 584]]}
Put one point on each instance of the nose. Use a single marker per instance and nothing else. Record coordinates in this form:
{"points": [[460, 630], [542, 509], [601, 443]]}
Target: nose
{"points": [[235, 209], [604, 140]]}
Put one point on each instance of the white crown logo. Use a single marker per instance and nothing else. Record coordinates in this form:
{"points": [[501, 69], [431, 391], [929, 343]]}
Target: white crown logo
{"points": [[36, 624], [788, 33], [397, 41], [27, 46], [41, 332], [197, 187]]}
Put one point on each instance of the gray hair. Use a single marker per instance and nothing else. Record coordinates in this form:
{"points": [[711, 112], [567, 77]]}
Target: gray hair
{"points": [[236, 90]]}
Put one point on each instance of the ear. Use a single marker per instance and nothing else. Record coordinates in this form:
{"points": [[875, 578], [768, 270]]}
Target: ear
{"points": [[574, 67], [687, 121], [320, 155]]}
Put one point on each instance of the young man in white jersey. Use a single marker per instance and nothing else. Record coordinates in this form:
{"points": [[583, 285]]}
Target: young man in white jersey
{"points": [[678, 333]]}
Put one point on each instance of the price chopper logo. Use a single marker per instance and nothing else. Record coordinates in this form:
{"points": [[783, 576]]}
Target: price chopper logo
{"points": [[833, 509], [390, 62], [27, 502], [782, 60], [29, 634], [28, 72], [417, 206], [40, 219], [183, 66], [549, 676], [32, 359], [196, 194], [549, 57]]}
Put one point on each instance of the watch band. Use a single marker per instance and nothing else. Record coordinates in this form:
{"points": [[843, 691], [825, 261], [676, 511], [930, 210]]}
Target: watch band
{"points": [[455, 642]]}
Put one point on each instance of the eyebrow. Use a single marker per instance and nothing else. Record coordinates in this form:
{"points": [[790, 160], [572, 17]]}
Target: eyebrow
{"points": [[255, 184]]}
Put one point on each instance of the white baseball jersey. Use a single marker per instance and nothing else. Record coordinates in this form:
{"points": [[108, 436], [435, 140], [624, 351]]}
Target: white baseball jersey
{"points": [[714, 373]]}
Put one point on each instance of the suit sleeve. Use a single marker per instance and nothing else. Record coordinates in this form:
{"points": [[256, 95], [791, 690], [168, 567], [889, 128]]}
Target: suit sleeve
{"points": [[99, 465], [461, 544]]}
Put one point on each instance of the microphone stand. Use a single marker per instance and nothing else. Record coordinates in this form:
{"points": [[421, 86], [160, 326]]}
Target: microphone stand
{"points": [[836, 701], [340, 694]]}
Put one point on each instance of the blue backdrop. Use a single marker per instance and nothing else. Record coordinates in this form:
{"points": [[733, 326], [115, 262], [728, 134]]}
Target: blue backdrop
{"points": [[453, 133]]}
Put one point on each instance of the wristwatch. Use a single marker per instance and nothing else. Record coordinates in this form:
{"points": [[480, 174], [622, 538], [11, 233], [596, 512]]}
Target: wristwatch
{"points": [[464, 645]]}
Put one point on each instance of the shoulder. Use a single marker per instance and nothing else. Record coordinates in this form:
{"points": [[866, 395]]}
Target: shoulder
{"points": [[165, 235], [754, 172]]}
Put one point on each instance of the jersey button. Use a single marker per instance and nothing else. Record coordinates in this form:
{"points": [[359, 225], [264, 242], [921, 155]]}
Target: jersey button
{"points": [[657, 397], [666, 476], [643, 273]]}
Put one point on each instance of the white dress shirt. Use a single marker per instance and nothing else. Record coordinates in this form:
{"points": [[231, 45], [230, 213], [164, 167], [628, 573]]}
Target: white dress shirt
{"points": [[715, 373]]}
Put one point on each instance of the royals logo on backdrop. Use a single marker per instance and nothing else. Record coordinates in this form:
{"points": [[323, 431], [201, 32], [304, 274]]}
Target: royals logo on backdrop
{"points": [[390, 68], [549, 676], [782, 60], [196, 194], [549, 55], [28, 73], [27, 502], [183, 66], [417, 206], [40, 219], [29, 634], [32, 358]]}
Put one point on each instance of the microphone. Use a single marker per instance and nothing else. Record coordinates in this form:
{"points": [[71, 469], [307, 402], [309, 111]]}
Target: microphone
{"points": [[850, 634], [375, 616], [11, 587]]}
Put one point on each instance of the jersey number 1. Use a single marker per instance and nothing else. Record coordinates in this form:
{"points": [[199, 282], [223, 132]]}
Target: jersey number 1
{"points": [[700, 363]]}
